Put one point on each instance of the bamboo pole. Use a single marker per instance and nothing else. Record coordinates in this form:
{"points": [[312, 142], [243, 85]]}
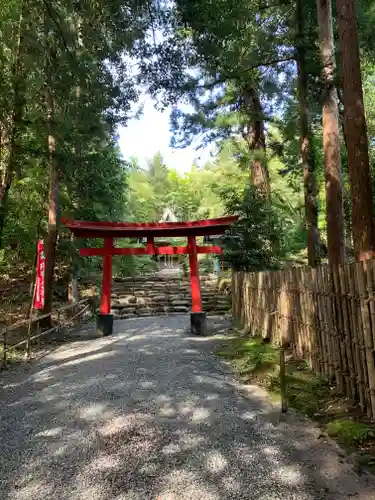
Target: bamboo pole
{"points": [[265, 305], [235, 294], [333, 333], [370, 276], [311, 318], [305, 327], [328, 326], [5, 347], [283, 319], [239, 295], [292, 308], [277, 305], [314, 320], [22, 323], [317, 320], [254, 302], [322, 321], [28, 342], [242, 304], [264, 308], [338, 314], [371, 287], [269, 305], [236, 297], [347, 332], [298, 311], [77, 315], [305, 314], [284, 404], [361, 338], [245, 309], [273, 328], [29, 321], [258, 304], [361, 272], [355, 336]]}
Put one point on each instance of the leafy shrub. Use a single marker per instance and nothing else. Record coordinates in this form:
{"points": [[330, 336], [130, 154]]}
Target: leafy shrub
{"points": [[350, 431], [254, 242]]}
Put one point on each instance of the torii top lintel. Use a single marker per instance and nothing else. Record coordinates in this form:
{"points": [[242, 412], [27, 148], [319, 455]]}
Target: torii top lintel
{"points": [[84, 229]]}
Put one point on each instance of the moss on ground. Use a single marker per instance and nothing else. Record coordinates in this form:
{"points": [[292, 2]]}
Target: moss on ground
{"points": [[258, 362], [349, 431]]}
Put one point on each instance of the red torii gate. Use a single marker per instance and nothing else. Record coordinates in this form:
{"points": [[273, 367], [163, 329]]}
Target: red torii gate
{"points": [[112, 230]]}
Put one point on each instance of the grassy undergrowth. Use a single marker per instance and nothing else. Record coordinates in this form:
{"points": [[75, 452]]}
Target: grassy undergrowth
{"points": [[258, 362], [13, 357]]}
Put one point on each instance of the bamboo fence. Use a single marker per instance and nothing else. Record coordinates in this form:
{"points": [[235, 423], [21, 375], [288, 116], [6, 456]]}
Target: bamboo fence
{"points": [[326, 315], [61, 318]]}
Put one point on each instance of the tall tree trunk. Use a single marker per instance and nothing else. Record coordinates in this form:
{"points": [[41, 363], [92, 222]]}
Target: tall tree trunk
{"points": [[256, 141], [73, 290], [308, 163], [18, 78], [53, 193], [363, 226], [51, 240], [331, 138]]}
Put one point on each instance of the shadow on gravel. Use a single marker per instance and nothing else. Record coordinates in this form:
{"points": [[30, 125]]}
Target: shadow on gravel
{"points": [[149, 413]]}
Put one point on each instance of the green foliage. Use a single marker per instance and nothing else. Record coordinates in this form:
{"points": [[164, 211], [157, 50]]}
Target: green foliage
{"points": [[253, 243], [127, 265], [251, 357], [350, 432], [69, 54], [189, 196], [256, 360]]}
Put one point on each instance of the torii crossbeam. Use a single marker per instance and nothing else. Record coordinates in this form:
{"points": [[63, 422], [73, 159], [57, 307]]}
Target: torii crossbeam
{"points": [[112, 230]]}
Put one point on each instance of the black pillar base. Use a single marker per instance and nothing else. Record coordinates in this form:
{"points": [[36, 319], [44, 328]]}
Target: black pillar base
{"points": [[198, 323], [104, 324]]}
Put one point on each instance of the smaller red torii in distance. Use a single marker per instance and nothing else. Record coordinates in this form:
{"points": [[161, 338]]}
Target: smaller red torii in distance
{"points": [[112, 230]]}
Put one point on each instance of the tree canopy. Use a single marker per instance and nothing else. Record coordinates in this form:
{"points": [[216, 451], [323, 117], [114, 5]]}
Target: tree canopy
{"points": [[267, 83]]}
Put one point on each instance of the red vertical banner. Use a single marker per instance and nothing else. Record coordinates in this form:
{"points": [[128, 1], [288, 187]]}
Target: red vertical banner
{"points": [[39, 284], [194, 276]]}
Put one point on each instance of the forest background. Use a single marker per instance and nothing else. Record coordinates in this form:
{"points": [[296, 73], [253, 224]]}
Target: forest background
{"points": [[276, 86]]}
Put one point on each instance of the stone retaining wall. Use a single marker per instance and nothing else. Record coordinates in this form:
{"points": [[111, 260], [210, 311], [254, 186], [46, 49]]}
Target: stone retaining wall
{"points": [[155, 296]]}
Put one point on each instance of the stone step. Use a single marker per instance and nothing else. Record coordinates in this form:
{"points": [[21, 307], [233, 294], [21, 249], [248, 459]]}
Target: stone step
{"points": [[162, 279], [176, 293], [158, 286], [156, 291], [159, 295], [161, 311], [153, 306], [145, 297], [145, 286]]}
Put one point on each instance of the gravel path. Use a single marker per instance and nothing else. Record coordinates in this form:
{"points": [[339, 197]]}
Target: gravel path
{"points": [[150, 413]]}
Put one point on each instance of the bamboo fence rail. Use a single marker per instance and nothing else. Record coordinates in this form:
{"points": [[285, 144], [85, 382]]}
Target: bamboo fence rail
{"points": [[326, 315], [60, 321]]}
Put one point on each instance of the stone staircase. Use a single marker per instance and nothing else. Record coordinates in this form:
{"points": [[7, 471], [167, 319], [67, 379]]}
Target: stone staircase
{"points": [[147, 296]]}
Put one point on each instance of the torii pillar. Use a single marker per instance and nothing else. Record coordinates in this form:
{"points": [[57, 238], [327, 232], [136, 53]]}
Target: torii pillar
{"points": [[197, 316]]}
